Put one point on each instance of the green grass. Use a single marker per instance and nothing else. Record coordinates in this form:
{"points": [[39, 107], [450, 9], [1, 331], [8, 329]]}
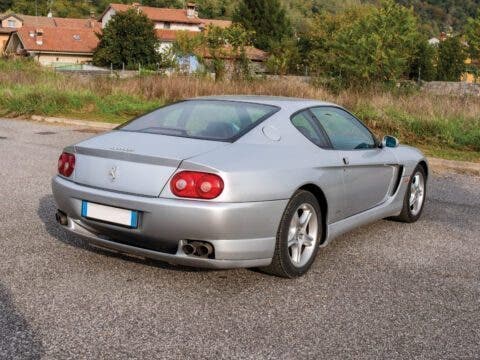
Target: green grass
{"points": [[435, 132], [446, 127], [22, 100]]}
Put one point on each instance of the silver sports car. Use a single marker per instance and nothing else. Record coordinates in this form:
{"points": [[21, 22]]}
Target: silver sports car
{"points": [[227, 182]]}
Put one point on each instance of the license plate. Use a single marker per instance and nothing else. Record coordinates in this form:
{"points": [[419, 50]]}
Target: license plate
{"points": [[110, 214]]}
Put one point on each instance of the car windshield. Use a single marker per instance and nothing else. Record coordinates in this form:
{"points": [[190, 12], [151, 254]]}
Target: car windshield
{"points": [[203, 119]]}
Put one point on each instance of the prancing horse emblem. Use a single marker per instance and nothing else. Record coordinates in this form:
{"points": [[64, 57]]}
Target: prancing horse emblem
{"points": [[113, 173]]}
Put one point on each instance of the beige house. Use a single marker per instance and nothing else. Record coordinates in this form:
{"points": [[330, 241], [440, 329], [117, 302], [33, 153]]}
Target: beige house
{"points": [[51, 41], [13, 23], [53, 46]]}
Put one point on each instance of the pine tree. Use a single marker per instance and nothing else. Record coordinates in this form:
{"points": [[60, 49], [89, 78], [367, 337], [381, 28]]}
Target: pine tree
{"points": [[267, 18]]}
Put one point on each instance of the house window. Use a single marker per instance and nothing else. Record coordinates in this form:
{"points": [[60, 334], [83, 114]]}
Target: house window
{"points": [[166, 25], [11, 23]]}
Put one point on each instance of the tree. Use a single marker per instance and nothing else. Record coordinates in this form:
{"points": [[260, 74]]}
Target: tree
{"points": [[216, 44], [451, 59], [473, 38], [285, 58], [422, 66], [5, 5], [128, 39], [364, 44], [162, 3], [238, 39], [267, 18], [472, 32]]}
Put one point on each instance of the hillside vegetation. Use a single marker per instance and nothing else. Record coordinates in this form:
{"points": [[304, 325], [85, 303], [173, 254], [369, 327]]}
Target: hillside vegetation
{"points": [[444, 126], [437, 15]]}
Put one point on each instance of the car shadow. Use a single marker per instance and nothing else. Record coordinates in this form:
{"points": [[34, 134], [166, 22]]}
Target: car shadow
{"points": [[17, 338], [46, 212]]}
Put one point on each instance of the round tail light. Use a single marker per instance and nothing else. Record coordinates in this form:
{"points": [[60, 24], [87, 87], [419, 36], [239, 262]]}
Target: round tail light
{"points": [[66, 164], [196, 185]]}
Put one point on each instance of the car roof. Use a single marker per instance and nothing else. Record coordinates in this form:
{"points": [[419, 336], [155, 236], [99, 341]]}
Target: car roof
{"points": [[280, 101]]}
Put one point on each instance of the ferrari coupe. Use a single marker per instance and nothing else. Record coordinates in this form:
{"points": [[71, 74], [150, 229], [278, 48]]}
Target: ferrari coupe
{"points": [[236, 181]]}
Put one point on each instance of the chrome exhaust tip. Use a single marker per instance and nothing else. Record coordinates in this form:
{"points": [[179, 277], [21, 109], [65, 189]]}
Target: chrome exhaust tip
{"points": [[203, 249], [188, 249], [200, 249], [61, 218]]}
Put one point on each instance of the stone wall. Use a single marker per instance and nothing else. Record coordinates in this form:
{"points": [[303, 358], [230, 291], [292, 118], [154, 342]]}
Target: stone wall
{"points": [[452, 88]]}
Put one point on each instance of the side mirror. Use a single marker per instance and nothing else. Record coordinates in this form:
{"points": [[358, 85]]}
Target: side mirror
{"points": [[390, 141]]}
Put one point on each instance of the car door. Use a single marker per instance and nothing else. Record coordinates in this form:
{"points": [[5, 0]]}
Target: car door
{"points": [[369, 171]]}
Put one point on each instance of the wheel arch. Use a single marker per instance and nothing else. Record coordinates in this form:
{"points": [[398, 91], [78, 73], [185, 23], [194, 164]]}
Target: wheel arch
{"points": [[424, 165], [322, 201]]}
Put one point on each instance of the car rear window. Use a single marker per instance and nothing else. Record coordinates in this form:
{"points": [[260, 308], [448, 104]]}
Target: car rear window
{"points": [[203, 119]]}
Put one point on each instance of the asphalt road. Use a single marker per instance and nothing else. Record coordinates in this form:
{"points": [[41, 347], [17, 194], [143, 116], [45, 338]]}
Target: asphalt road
{"points": [[387, 290]]}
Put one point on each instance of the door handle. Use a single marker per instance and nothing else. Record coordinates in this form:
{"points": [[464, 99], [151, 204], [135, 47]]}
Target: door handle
{"points": [[346, 161]]}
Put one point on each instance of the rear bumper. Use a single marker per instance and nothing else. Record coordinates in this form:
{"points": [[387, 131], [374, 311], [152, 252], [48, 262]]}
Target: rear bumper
{"points": [[243, 234]]}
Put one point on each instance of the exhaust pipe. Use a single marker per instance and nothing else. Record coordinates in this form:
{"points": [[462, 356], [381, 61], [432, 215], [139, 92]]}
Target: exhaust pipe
{"points": [[198, 248], [188, 249], [61, 218], [203, 249]]}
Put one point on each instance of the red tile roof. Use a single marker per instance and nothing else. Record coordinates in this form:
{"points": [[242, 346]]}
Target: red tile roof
{"points": [[160, 14], [59, 39], [44, 21], [171, 35], [78, 23]]}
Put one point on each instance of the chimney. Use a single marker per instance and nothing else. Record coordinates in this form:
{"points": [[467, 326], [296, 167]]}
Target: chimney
{"points": [[136, 6], [92, 20], [191, 10], [39, 36]]}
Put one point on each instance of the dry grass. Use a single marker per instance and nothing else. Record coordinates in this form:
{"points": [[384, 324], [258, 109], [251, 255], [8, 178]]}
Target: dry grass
{"points": [[417, 118]]}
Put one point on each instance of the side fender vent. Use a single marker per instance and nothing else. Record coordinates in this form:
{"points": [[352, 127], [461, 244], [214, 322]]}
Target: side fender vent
{"points": [[398, 179]]}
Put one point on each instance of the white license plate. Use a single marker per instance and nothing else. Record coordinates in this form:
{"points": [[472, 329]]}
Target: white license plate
{"points": [[110, 214]]}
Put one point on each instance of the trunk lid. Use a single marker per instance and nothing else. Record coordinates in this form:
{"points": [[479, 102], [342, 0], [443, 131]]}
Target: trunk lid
{"points": [[135, 163]]}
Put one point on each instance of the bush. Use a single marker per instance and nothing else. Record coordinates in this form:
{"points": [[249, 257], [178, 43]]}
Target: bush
{"points": [[365, 44], [451, 59]]}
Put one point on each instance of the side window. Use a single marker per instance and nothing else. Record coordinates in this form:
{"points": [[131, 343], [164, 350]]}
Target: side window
{"points": [[171, 118], [344, 130], [305, 124]]}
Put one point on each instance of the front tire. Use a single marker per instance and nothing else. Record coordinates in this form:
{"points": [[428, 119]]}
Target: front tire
{"points": [[415, 197], [298, 237]]}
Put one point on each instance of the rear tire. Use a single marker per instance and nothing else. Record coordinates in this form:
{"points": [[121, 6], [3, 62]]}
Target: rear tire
{"points": [[298, 237], [415, 197]]}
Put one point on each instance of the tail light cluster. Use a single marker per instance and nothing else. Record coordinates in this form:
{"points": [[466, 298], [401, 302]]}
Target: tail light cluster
{"points": [[196, 185], [66, 164]]}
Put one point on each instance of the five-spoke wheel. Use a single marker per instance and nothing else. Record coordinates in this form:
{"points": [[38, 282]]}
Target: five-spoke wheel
{"points": [[302, 234], [298, 237], [415, 196]]}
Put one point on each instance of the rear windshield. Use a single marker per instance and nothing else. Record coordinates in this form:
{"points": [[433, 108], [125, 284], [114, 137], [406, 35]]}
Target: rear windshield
{"points": [[203, 119]]}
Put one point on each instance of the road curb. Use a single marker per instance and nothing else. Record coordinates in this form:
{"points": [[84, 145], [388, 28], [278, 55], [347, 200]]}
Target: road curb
{"points": [[64, 121], [437, 165]]}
